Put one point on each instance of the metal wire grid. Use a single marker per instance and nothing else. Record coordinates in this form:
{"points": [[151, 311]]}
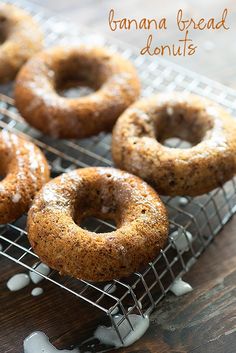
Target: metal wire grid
{"points": [[203, 216]]}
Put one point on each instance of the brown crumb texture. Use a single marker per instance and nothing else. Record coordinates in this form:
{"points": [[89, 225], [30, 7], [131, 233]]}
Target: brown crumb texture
{"points": [[23, 169], [37, 90], [56, 236], [137, 143]]}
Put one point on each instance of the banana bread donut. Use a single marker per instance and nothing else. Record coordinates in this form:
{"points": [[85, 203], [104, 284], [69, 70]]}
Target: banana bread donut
{"points": [[59, 208], [24, 170], [139, 133], [20, 38], [40, 80]]}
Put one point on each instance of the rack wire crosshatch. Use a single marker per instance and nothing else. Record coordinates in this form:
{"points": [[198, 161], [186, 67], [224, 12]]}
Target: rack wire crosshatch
{"points": [[202, 216]]}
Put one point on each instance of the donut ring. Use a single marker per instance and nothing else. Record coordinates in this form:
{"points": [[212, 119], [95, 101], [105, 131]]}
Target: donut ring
{"points": [[138, 135], [61, 205], [20, 38], [114, 79], [24, 170]]}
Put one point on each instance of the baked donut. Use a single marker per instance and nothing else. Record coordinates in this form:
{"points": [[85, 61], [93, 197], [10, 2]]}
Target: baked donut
{"points": [[138, 136], [39, 82], [59, 208], [24, 170], [20, 38]]}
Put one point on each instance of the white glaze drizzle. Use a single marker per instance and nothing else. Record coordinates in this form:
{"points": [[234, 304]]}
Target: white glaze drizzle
{"points": [[108, 335], [42, 268], [110, 288], [139, 304], [18, 281], [37, 291], [52, 194], [16, 198], [43, 94], [183, 201], [181, 239], [38, 342], [170, 111], [115, 311], [179, 287]]}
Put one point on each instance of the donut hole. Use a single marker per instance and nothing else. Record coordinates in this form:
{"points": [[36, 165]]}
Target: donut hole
{"points": [[3, 29], [78, 76], [174, 142], [3, 171], [104, 198], [74, 89], [97, 210], [181, 128], [2, 19], [98, 225]]}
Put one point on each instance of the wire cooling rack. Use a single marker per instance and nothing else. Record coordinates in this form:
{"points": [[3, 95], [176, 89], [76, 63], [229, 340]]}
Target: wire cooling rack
{"points": [[201, 217]]}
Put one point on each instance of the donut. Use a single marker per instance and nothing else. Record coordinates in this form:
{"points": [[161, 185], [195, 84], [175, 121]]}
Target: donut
{"points": [[20, 38], [23, 171], [40, 81], [56, 235], [139, 136]]}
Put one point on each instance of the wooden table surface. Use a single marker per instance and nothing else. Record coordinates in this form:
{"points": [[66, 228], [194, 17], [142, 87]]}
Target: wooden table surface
{"points": [[203, 321]]}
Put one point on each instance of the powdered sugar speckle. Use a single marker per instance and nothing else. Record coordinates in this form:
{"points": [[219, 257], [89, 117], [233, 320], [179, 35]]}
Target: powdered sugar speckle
{"points": [[16, 197], [170, 111]]}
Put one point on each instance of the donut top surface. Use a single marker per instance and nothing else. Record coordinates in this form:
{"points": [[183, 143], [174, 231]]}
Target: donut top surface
{"points": [[40, 81], [14, 20], [109, 194], [140, 133], [52, 68], [20, 38], [24, 170]]}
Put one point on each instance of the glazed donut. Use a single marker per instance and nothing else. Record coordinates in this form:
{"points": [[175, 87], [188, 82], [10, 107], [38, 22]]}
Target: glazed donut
{"points": [[59, 208], [39, 81], [24, 170], [20, 38], [138, 136]]}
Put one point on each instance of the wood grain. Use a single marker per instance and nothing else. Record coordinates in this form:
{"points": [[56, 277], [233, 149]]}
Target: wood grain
{"points": [[202, 321]]}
